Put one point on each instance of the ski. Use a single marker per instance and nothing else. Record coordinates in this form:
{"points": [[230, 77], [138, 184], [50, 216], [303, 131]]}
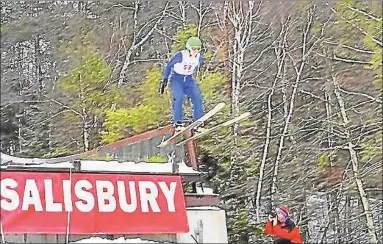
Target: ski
{"points": [[198, 122], [227, 123]]}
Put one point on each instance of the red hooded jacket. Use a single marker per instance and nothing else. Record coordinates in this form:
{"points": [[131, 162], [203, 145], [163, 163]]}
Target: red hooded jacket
{"points": [[288, 231]]}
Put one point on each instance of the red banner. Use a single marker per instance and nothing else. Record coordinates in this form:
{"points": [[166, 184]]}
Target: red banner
{"points": [[34, 202]]}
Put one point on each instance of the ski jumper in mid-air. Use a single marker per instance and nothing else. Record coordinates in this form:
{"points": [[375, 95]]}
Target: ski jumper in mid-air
{"points": [[182, 83]]}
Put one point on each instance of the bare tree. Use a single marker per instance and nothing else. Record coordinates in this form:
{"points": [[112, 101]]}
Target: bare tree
{"points": [[140, 36], [298, 66], [201, 12], [355, 165], [280, 54], [244, 18]]}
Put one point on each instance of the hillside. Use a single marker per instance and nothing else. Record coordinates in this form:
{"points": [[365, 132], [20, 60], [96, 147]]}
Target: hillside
{"points": [[77, 75]]}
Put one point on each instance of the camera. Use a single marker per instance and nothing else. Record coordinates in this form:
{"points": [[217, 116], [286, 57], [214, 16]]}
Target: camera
{"points": [[273, 214]]}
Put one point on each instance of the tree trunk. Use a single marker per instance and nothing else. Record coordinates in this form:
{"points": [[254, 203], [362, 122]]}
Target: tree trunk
{"points": [[347, 217], [137, 43], [19, 133], [355, 165], [241, 17], [305, 53], [86, 133], [182, 7], [280, 54]]}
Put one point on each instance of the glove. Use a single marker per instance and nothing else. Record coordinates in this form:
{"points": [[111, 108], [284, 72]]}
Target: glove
{"points": [[273, 219], [162, 86]]}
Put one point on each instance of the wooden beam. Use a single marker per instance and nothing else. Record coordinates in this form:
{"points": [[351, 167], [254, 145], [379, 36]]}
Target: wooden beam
{"points": [[191, 149], [196, 200]]}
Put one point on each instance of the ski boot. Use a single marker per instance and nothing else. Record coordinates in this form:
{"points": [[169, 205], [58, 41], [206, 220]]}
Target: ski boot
{"points": [[178, 126]]}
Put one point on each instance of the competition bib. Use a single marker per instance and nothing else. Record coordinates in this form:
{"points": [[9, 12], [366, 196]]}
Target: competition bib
{"points": [[188, 64]]}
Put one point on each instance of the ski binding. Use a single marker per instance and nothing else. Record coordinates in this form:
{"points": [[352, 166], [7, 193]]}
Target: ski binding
{"points": [[196, 123], [206, 131]]}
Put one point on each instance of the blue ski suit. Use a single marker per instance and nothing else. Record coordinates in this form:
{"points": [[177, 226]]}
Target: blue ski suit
{"points": [[182, 83]]}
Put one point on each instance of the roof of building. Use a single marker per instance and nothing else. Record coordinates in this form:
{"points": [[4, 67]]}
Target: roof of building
{"points": [[8, 162]]}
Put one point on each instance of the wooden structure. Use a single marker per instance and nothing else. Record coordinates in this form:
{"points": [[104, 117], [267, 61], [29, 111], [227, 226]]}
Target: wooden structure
{"points": [[142, 146], [137, 149], [131, 152]]}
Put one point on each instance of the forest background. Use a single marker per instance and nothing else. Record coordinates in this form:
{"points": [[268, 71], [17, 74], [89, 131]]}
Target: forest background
{"points": [[76, 75]]}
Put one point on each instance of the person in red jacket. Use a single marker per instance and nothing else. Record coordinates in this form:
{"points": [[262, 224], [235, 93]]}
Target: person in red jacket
{"points": [[283, 227]]}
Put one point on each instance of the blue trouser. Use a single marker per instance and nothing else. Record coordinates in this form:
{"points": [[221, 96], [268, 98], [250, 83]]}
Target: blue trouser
{"points": [[185, 85]]}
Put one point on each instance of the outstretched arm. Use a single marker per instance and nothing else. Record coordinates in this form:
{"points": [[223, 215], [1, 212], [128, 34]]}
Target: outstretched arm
{"points": [[176, 59]]}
